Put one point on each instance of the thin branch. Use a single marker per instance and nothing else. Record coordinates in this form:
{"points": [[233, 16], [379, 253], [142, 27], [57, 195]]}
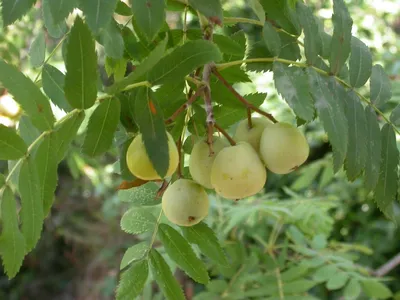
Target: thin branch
{"points": [[179, 147], [387, 267], [225, 134], [249, 121]]}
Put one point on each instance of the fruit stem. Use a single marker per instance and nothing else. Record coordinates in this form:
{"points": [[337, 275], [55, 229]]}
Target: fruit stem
{"points": [[249, 121], [240, 97], [179, 146], [225, 134]]}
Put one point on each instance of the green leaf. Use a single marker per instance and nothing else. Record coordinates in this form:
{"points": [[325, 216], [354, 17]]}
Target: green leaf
{"points": [[133, 280], [145, 195], [149, 16], [37, 50], [12, 242], [2, 180], [55, 29], [138, 220], [380, 86], [127, 117], [27, 131], [98, 13], [271, 39], [12, 146], [226, 116], [123, 9], [386, 188], [13, 10], [60, 9], [357, 144], [337, 281], [257, 9], [352, 289], [325, 273], [294, 273], [183, 60], [81, 64], [395, 116], [212, 9], [374, 147], [31, 201], [227, 44], [28, 95], [151, 124], [375, 289], [182, 253], [134, 253], [298, 286], [292, 84], [112, 40], [360, 63], [162, 274], [341, 38], [284, 16], [256, 50], [101, 128], [53, 86]]}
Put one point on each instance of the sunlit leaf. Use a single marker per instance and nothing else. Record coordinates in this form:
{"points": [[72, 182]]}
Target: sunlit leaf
{"points": [[137, 220], [258, 9], [143, 195], [352, 289], [134, 253], [337, 281], [375, 289]]}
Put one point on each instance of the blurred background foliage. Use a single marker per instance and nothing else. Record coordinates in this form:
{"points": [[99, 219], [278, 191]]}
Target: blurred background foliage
{"points": [[308, 215]]}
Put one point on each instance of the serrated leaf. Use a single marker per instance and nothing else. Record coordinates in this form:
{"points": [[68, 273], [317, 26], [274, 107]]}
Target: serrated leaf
{"points": [[12, 146], [374, 147], [179, 250], [133, 280], [162, 274], [53, 86], [145, 195], [60, 9], [227, 116], [149, 16], [55, 29], [12, 242], [112, 40], [257, 9], [133, 254], [352, 289], [271, 39], [211, 9], [101, 128], [375, 289], [28, 95], [204, 237], [386, 188], [292, 84], [380, 86], [98, 13], [284, 16], [183, 60], [37, 50], [256, 50], [341, 38], [13, 10], [357, 144], [138, 220], [337, 281], [81, 64], [360, 63], [31, 201]]}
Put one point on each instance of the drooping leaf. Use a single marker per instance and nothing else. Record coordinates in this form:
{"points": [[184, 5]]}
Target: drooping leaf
{"points": [[101, 128], [37, 50], [133, 280], [12, 146], [98, 13], [53, 86], [386, 188], [133, 254], [374, 146], [395, 116], [81, 64], [163, 275], [12, 242], [360, 63], [60, 9], [271, 39], [112, 40], [28, 95], [212, 9], [375, 289], [137, 220], [284, 16], [55, 29], [182, 253], [293, 85], [341, 38], [149, 16], [258, 9], [13, 10], [380, 86], [352, 289], [142, 195]]}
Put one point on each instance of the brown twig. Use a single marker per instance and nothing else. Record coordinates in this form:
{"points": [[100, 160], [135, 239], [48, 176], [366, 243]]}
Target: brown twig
{"points": [[225, 134], [249, 121], [387, 267], [240, 97], [162, 189], [179, 147]]}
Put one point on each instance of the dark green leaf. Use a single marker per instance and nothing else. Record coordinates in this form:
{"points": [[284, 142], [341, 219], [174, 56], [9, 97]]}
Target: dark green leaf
{"points": [[374, 147], [183, 60], [12, 146], [284, 16], [256, 50], [149, 16], [125, 173], [138, 220], [386, 188], [127, 116], [227, 45], [375, 289], [98, 13], [81, 64], [13, 10], [290, 48], [258, 9], [292, 84], [60, 9], [102, 126], [337, 281], [380, 86], [55, 29], [28, 95], [37, 50], [271, 39], [112, 40], [182, 253], [162, 274], [133, 280], [12, 242], [360, 63], [211, 9], [53, 86], [134, 253], [2, 180], [352, 289], [123, 9], [143, 195], [395, 116]]}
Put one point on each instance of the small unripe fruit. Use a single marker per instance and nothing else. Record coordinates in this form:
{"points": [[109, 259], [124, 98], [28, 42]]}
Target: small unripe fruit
{"points": [[139, 163], [200, 161], [283, 148], [251, 135], [185, 203], [237, 172]]}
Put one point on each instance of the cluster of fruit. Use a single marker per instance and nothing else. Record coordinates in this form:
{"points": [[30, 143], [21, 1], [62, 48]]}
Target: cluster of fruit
{"points": [[234, 171]]}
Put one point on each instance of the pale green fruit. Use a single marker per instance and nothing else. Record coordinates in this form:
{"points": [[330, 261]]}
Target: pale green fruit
{"points": [[237, 172], [185, 202], [200, 161], [283, 148], [139, 162], [251, 135]]}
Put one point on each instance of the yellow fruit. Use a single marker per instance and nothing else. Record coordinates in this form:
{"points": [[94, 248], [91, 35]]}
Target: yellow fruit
{"points": [[251, 135], [185, 202], [283, 148], [200, 161], [139, 162], [237, 172]]}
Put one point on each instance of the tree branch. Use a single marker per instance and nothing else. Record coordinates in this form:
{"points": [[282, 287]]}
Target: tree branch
{"points": [[387, 267]]}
